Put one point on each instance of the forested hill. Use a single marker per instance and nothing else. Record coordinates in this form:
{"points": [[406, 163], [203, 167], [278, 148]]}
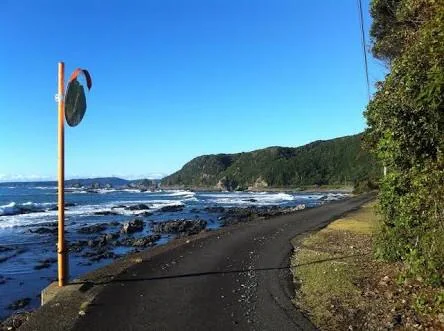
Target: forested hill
{"points": [[335, 161]]}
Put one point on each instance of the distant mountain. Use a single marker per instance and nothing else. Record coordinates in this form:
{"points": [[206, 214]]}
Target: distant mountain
{"points": [[113, 182], [100, 182], [328, 162]]}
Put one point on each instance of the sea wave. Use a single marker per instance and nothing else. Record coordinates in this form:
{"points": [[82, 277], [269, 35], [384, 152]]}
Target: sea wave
{"points": [[14, 208], [180, 193], [249, 198]]}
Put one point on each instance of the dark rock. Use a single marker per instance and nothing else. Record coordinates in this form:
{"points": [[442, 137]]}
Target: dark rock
{"points": [[5, 249], [43, 264], [246, 214], [183, 227], [44, 224], [140, 206], [92, 191], [78, 246], [124, 242], [106, 213], [215, 209], [92, 229], [84, 263], [99, 255], [146, 241], [43, 230], [14, 254], [145, 214], [19, 304], [111, 236], [173, 208], [100, 242], [238, 215], [67, 204], [132, 226]]}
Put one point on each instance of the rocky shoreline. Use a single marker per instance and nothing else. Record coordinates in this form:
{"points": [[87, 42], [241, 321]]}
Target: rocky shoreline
{"points": [[103, 238]]}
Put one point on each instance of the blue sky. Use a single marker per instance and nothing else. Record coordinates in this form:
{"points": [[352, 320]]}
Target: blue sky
{"points": [[176, 79]]}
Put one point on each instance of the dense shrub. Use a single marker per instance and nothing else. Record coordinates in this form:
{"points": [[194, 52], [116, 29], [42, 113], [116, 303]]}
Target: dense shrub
{"points": [[406, 132]]}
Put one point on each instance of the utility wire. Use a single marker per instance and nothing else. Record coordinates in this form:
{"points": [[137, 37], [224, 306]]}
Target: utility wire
{"points": [[361, 21]]}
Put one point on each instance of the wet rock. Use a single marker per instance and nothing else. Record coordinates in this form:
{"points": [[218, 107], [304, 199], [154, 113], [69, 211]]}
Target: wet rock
{"points": [[19, 304], [111, 236], [5, 249], [145, 214], [239, 215], [92, 229], [100, 242], [132, 226], [173, 208], [13, 253], [43, 264], [92, 243], [214, 209], [44, 224], [4, 258], [92, 191], [146, 241], [183, 227], [78, 246], [43, 230], [139, 206], [100, 254], [106, 213]]}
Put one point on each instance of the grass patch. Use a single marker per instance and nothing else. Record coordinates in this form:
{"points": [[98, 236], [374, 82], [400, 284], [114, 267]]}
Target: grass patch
{"points": [[341, 286], [363, 221], [320, 274]]}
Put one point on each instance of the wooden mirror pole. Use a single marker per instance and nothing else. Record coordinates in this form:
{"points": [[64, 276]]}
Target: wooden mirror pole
{"points": [[62, 257]]}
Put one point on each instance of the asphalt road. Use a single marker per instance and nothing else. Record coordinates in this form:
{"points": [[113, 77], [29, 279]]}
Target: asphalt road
{"points": [[237, 278]]}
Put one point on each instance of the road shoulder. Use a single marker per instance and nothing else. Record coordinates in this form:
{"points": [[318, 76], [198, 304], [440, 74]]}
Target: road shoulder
{"points": [[340, 285]]}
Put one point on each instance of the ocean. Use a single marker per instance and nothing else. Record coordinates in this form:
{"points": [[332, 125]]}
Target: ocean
{"points": [[28, 223]]}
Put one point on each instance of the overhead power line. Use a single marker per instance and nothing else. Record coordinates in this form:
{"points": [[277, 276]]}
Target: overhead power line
{"points": [[361, 21]]}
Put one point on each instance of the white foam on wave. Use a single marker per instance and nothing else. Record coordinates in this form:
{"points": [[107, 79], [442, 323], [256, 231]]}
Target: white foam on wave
{"points": [[179, 193], [249, 198], [9, 209], [14, 208], [27, 219]]}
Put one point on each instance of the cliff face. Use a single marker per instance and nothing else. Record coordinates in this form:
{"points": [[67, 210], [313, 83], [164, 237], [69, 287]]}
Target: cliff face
{"points": [[335, 161]]}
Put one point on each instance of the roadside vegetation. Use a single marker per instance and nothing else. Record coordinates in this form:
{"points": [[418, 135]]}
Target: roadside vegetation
{"points": [[340, 285], [406, 133]]}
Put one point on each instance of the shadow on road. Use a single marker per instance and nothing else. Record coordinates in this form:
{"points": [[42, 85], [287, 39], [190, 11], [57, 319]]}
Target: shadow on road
{"points": [[86, 285]]}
